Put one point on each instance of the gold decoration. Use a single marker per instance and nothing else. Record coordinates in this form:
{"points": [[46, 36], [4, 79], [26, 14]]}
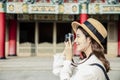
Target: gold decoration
{"points": [[11, 7], [25, 8]]}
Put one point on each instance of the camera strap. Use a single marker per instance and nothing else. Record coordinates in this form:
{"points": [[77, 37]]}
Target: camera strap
{"points": [[105, 73]]}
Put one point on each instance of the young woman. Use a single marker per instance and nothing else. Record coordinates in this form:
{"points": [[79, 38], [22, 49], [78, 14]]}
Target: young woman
{"points": [[89, 37]]}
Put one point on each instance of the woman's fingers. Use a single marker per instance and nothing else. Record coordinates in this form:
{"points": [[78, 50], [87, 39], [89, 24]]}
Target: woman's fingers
{"points": [[70, 43]]}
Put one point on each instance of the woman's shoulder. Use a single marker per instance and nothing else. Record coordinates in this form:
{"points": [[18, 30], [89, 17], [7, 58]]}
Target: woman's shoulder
{"points": [[93, 71]]}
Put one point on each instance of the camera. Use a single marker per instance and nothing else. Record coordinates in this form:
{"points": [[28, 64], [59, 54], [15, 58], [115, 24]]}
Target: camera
{"points": [[69, 36]]}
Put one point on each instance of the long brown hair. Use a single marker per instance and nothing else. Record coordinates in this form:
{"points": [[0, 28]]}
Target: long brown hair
{"points": [[98, 51]]}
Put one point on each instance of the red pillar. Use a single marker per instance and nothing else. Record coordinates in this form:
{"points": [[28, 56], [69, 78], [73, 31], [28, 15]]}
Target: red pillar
{"points": [[2, 35], [12, 38], [83, 17], [119, 39]]}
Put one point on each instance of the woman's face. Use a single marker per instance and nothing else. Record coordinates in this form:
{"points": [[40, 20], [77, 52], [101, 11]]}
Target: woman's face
{"points": [[81, 41]]}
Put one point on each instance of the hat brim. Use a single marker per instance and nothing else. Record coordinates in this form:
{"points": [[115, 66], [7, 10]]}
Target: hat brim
{"points": [[75, 25]]}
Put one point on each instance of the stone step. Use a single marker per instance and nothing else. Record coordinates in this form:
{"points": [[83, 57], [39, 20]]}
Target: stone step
{"points": [[34, 63], [40, 68]]}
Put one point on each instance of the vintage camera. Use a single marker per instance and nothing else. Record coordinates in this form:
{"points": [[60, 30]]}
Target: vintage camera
{"points": [[69, 36]]}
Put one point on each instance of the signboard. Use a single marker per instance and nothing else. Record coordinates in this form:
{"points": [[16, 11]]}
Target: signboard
{"points": [[43, 8], [110, 9], [103, 9]]}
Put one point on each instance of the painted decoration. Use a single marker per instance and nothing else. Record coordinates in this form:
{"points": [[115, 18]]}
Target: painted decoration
{"points": [[2, 7], [103, 9], [43, 8], [14, 7]]}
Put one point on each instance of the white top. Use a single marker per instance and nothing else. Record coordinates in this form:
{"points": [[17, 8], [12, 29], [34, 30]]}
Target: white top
{"points": [[83, 71]]}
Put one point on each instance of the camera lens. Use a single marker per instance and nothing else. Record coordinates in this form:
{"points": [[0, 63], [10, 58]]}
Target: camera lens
{"points": [[66, 37], [69, 36]]}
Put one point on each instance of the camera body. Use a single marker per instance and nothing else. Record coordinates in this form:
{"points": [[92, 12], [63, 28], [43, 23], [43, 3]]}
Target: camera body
{"points": [[69, 36]]}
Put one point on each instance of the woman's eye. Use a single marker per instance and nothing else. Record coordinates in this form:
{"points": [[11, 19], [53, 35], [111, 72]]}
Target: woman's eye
{"points": [[78, 36]]}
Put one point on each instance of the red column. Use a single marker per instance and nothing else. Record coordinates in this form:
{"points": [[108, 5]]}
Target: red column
{"points": [[12, 38], [83, 17], [2, 35], [119, 39]]}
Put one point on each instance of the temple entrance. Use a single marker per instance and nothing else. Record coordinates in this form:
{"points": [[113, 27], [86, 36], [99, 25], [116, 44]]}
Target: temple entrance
{"points": [[45, 38], [27, 38]]}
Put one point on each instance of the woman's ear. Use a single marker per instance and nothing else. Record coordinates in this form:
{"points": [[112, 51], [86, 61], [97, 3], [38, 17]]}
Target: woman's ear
{"points": [[89, 39]]}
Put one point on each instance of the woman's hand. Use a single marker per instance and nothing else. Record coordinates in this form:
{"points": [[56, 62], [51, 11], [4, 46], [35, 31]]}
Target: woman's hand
{"points": [[68, 50]]}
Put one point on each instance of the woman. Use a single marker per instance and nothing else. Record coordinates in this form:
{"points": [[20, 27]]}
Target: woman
{"points": [[89, 36]]}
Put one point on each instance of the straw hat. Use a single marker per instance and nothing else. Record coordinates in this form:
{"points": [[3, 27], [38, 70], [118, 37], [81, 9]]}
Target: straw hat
{"points": [[94, 28]]}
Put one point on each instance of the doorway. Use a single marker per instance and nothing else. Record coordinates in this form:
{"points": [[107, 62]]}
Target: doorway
{"points": [[27, 38], [45, 38]]}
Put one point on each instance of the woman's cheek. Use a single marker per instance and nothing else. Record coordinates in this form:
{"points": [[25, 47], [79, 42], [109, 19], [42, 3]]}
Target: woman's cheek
{"points": [[79, 48]]}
